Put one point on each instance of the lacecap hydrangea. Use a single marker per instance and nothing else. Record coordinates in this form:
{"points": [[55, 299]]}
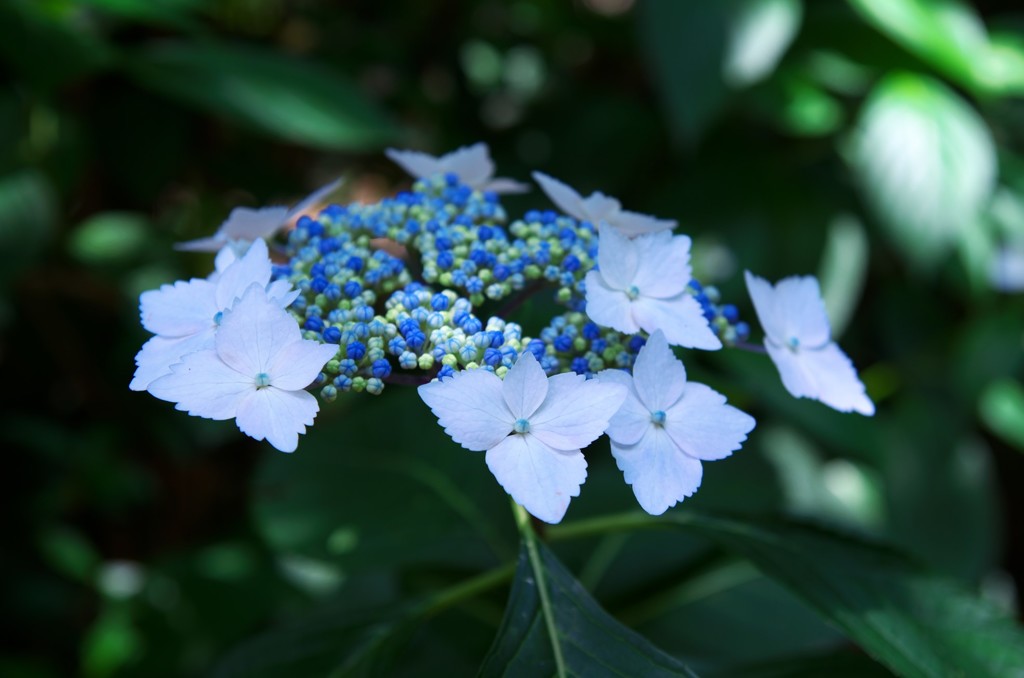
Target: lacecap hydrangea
{"points": [[357, 297]]}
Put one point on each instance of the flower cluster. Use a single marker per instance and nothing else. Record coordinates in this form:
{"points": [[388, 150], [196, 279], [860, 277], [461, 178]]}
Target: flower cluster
{"points": [[421, 288]]}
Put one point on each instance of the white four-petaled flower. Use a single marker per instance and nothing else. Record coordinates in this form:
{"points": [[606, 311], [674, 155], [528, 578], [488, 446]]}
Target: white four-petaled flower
{"points": [[531, 426], [798, 340], [471, 164], [640, 284], [599, 208], [246, 224], [255, 373], [184, 316], [667, 426]]}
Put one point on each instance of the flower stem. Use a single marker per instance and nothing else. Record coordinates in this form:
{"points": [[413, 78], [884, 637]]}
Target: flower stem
{"points": [[530, 539], [615, 522], [468, 589]]}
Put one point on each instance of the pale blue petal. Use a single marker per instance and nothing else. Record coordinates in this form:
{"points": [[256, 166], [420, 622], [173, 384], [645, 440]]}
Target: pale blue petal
{"points": [[660, 474], [576, 411], [539, 478], [525, 386], [703, 426], [470, 407], [277, 416], [658, 376]]}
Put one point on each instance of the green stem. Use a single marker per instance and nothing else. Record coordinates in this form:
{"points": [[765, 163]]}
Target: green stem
{"points": [[468, 589], [616, 522], [530, 539]]}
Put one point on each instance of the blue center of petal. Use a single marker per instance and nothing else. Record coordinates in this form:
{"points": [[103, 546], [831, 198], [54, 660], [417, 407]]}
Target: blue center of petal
{"points": [[217, 317], [658, 418], [793, 344], [262, 380], [633, 292], [521, 426]]}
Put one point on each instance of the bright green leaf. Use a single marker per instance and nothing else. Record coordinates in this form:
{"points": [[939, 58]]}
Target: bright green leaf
{"points": [[760, 34], [946, 33], [108, 238], [843, 271], [110, 643], [1002, 410], [292, 100], [926, 162], [591, 641]]}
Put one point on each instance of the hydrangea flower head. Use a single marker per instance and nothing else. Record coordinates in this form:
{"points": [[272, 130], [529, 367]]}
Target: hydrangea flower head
{"points": [[184, 316], [471, 164], [798, 340], [667, 426], [531, 426], [599, 208], [640, 284], [246, 225], [255, 373]]}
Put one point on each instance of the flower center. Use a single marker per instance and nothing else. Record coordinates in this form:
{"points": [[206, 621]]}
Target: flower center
{"points": [[521, 426], [262, 380], [658, 418], [217, 317], [633, 292], [793, 344]]}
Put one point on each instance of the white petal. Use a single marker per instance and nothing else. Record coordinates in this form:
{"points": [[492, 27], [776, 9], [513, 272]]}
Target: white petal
{"points": [[504, 185], [281, 292], [680, 318], [297, 364], [470, 407], [563, 195], [314, 199], [159, 353], [824, 374], [245, 223], [664, 269], [703, 426], [658, 376], [634, 224], [632, 419], [660, 474], [472, 164], [419, 165], [617, 258], [576, 411], [798, 301], [227, 255], [609, 307], [254, 331], [208, 244], [254, 267], [202, 385], [599, 207], [279, 416], [525, 386], [543, 480], [180, 309], [763, 295]]}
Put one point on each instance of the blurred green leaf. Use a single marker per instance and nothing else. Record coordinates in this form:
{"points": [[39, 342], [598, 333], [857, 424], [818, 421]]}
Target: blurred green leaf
{"points": [[685, 43], [364, 493], [1002, 410], [946, 33], [842, 664], [926, 162], [28, 209], [109, 238], [592, 642], [174, 13], [843, 270], [759, 36], [48, 50], [70, 553], [912, 621], [300, 102], [110, 643]]}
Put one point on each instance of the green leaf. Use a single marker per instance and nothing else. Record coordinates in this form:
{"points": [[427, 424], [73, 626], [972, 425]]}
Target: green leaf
{"points": [[591, 642], [27, 213], [760, 34], [844, 269], [685, 45], [909, 619], [109, 238], [926, 162], [1002, 410], [289, 99], [947, 34]]}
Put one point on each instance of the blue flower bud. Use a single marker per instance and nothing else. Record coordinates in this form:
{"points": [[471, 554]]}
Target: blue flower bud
{"points": [[381, 369], [355, 350], [332, 335]]}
